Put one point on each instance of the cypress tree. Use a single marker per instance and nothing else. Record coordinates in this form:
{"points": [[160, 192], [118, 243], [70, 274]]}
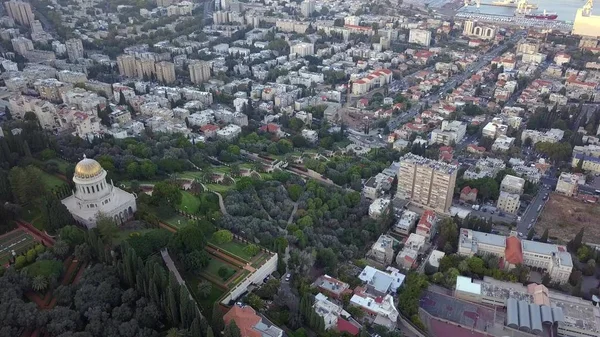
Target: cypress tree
{"points": [[232, 330], [172, 308], [196, 329], [217, 318]]}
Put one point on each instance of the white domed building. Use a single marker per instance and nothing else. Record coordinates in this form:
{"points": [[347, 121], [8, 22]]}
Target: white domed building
{"points": [[93, 195]]}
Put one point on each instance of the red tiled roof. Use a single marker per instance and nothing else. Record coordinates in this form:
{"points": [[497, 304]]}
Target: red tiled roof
{"points": [[209, 127], [345, 326], [465, 190], [245, 318], [513, 250]]}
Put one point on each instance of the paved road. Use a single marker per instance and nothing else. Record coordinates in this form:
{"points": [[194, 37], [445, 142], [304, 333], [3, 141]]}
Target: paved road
{"points": [[531, 213], [458, 78]]}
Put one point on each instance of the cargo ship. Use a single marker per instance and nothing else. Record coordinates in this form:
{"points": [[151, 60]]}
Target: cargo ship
{"points": [[542, 16]]}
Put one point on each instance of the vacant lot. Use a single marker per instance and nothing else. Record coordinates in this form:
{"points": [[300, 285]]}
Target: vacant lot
{"points": [[564, 217]]}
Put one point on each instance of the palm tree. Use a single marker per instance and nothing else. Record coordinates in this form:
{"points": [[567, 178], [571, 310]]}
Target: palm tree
{"points": [[61, 248], [39, 283], [204, 289]]}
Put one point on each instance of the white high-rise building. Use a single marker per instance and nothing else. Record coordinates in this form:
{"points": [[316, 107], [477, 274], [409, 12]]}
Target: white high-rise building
{"points": [[199, 71], [426, 182], [74, 49], [420, 36], [307, 7], [20, 11]]}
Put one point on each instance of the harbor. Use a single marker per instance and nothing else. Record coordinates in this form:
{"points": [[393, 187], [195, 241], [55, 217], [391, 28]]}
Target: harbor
{"points": [[565, 9]]}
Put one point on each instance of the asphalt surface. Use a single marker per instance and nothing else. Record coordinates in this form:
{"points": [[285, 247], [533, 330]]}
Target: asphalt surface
{"points": [[531, 213]]}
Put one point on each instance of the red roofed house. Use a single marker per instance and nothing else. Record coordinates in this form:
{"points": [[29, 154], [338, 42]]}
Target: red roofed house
{"points": [[362, 103], [427, 224], [472, 148], [249, 323], [209, 130], [446, 154], [271, 128], [468, 194]]}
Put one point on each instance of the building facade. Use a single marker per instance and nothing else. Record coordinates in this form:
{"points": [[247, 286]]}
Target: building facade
{"points": [[20, 11], [420, 36], [426, 182], [553, 259], [94, 196], [199, 71], [74, 49]]}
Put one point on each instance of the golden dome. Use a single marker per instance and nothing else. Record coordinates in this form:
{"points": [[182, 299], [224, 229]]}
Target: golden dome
{"points": [[87, 168]]}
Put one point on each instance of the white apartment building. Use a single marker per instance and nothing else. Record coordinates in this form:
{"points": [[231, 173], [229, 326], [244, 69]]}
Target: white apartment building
{"points": [[407, 257], [21, 45], [550, 136], [328, 310], [407, 222], [420, 36], [427, 182], [512, 184], [303, 49], [43, 110], [508, 202], [20, 11], [485, 167], [382, 250], [74, 49], [378, 207], [568, 183], [307, 7], [199, 71], [503, 143], [229, 132], [551, 258], [449, 133], [72, 77], [494, 129]]}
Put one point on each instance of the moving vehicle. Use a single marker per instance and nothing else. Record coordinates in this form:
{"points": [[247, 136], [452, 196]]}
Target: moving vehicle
{"points": [[539, 208]]}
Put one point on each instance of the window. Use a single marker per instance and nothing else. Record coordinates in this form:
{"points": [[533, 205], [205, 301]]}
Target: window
{"points": [[88, 189]]}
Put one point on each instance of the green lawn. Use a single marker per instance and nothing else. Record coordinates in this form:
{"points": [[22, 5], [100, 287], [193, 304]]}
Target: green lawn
{"points": [[51, 181], [189, 202], [62, 164], [126, 234], [221, 169], [215, 264], [234, 247], [33, 216], [220, 188], [190, 175], [206, 304], [176, 220]]}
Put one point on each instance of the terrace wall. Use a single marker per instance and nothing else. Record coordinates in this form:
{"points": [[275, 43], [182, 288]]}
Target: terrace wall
{"points": [[256, 278]]}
